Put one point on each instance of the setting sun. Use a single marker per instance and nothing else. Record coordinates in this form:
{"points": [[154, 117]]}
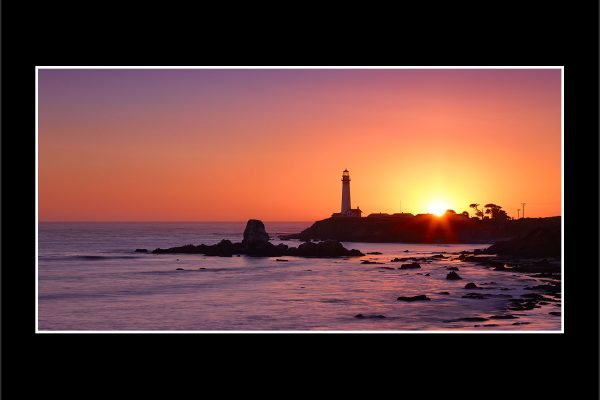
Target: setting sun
{"points": [[437, 207]]}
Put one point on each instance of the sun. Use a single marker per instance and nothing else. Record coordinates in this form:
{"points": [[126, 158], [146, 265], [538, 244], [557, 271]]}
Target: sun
{"points": [[437, 207]]}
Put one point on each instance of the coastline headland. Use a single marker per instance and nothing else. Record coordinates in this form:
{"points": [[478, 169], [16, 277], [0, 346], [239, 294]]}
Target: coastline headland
{"points": [[425, 228]]}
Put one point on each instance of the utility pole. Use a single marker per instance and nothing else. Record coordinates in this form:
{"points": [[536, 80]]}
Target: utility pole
{"points": [[518, 213], [523, 204]]}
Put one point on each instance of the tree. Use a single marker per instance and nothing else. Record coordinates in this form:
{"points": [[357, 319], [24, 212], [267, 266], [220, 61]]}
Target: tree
{"points": [[495, 212], [465, 214], [478, 212]]}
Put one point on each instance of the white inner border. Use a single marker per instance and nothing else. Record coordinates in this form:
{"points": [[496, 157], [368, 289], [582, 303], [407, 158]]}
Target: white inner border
{"points": [[562, 193]]}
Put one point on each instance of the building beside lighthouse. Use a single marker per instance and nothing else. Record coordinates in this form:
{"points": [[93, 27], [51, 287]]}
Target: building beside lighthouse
{"points": [[347, 210]]}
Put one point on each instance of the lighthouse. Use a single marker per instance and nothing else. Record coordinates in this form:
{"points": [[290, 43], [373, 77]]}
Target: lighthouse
{"points": [[345, 192], [346, 210]]}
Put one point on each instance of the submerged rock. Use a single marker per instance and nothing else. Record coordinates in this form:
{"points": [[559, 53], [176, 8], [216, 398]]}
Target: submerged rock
{"points": [[471, 285], [478, 296], [414, 298], [369, 262], [453, 276], [507, 316], [556, 313], [141, 250], [413, 265], [361, 316], [467, 319], [375, 253]]}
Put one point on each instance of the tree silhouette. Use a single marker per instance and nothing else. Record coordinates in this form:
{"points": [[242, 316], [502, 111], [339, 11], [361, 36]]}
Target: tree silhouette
{"points": [[465, 214], [478, 212], [495, 211]]}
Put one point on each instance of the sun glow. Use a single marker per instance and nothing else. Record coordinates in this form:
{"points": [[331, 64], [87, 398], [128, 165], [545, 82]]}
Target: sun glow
{"points": [[437, 207]]}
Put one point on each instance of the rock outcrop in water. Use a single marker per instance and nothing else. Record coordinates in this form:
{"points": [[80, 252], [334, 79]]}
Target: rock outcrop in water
{"points": [[255, 233], [256, 243]]}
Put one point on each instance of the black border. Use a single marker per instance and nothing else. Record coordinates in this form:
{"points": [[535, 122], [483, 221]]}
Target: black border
{"points": [[63, 34]]}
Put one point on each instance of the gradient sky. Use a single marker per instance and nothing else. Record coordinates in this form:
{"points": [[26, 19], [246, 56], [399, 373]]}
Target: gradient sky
{"points": [[225, 145]]}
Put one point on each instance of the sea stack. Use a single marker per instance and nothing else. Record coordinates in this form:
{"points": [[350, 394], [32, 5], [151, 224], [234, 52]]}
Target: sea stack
{"points": [[255, 233]]}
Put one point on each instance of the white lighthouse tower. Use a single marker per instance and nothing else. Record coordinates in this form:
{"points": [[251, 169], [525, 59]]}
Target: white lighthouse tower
{"points": [[345, 192], [346, 210]]}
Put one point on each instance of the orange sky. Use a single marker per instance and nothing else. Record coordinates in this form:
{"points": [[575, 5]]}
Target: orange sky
{"points": [[179, 145]]}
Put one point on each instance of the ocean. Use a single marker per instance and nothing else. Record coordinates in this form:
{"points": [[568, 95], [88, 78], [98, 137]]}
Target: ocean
{"points": [[90, 279]]}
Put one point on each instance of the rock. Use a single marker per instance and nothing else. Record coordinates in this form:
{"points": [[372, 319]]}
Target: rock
{"points": [[281, 259], [400, 259], [538, 242], [255, 233], [179, 269], [518, 306], [410, 266], [443, 293], [467, 319], [370, 262], [557, 313], [141, 250], [471, 285], [256, 243], [453, 276], [361, 316], [414, 298], [545, 288], [327, 248], [537, 268], [406, 251], [452, 268], [438, 256], [427, 275], [534, 296], [385, 267], [478, 296], [222, 249], [507, 316], [187, 249], [375, 253]]}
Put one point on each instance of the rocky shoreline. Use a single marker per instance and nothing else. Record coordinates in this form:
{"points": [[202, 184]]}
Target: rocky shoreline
{"points": [[535, 253], [256, 243]]}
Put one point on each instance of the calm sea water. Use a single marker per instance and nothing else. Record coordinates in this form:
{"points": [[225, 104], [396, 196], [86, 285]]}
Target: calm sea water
{"points": [[89, 278]]}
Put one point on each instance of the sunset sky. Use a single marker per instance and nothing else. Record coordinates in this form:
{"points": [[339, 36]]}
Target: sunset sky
{"points": [[229, 145]]}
